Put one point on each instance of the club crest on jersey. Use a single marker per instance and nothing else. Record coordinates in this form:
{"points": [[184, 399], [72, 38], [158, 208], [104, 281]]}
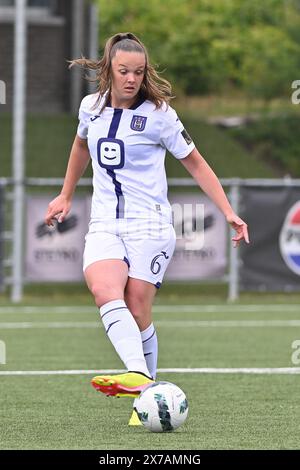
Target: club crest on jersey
{"points": [[138, 123]]}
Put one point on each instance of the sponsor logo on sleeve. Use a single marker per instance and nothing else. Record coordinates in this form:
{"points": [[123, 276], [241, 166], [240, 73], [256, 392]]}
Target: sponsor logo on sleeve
{"points": [[186, 137]]}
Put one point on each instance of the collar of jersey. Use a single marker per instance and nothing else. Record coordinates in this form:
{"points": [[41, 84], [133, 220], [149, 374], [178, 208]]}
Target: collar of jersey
{"points": [[135, 105]]}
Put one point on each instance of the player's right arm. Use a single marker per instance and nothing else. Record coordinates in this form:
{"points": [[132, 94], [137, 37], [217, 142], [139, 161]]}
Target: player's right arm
{"points": [[78, 162]]}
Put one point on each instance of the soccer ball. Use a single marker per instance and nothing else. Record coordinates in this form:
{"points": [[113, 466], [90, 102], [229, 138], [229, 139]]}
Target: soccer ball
{"points": [[162, 406]]}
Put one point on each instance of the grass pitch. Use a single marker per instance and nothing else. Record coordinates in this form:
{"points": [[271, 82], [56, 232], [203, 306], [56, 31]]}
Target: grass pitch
{"points": [[235, 410]]}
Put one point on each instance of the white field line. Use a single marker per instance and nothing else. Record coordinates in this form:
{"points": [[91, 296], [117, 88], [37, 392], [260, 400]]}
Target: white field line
{"points": [[29, 325], [202, 370], [156, 309], [158, 323]]}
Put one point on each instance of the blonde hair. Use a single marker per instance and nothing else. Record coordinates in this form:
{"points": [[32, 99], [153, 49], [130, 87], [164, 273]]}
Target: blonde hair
{"points": [[153, 88]]}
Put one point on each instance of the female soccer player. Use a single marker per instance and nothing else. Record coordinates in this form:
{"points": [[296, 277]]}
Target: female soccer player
{"points": [[125, 128]]}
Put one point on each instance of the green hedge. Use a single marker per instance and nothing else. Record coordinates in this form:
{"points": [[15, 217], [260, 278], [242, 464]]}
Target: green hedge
{"points": [[275, 141]]}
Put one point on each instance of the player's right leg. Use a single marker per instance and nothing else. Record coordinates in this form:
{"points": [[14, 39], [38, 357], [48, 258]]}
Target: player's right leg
{"points": [[106, 280]]}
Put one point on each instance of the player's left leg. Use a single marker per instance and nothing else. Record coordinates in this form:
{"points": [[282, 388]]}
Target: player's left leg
{"points": [[150, 246], [148, 264], [139, 296]]}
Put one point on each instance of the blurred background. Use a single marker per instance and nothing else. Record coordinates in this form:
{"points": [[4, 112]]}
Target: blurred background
{"points": [[234, 66]]}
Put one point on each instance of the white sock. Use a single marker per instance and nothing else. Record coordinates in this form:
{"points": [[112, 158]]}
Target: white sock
{"points": [[150, 348], [123, 332]]}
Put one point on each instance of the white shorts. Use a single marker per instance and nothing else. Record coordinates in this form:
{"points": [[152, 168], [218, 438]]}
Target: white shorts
{"points": [[145, 245]]}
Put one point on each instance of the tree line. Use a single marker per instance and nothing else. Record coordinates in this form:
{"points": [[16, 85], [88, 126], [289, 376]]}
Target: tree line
{"points": [[215, 46]]}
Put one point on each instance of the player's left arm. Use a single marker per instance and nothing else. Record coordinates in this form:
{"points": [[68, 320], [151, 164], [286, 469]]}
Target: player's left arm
{"points": [[205, 177]]}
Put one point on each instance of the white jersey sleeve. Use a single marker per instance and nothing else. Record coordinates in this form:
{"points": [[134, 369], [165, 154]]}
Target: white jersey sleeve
{"points": [[174, 137], [84, 115]]}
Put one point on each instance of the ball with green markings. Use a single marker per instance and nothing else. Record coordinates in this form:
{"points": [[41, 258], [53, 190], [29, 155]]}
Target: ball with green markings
{"points": [[162, 407]]}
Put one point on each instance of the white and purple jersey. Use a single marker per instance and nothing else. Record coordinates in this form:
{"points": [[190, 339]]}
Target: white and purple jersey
{"points": [[128, 148]]}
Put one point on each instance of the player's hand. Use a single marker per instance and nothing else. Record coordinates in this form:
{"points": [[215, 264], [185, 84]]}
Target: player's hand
{"points": [[58, 209], [240, 227]]}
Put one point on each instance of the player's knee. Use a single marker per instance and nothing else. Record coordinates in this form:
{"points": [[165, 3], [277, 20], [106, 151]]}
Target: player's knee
{"points": [[103, 293], [139, 310], [137, 314], [142, 318], [139, 303], [135, 303]]}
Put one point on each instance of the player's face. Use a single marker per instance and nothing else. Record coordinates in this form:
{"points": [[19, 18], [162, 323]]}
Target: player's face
{"points": [[128, 69]]}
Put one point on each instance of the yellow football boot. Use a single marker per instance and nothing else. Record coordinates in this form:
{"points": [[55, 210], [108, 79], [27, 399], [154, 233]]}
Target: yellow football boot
{"points": [[130, 384]]}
